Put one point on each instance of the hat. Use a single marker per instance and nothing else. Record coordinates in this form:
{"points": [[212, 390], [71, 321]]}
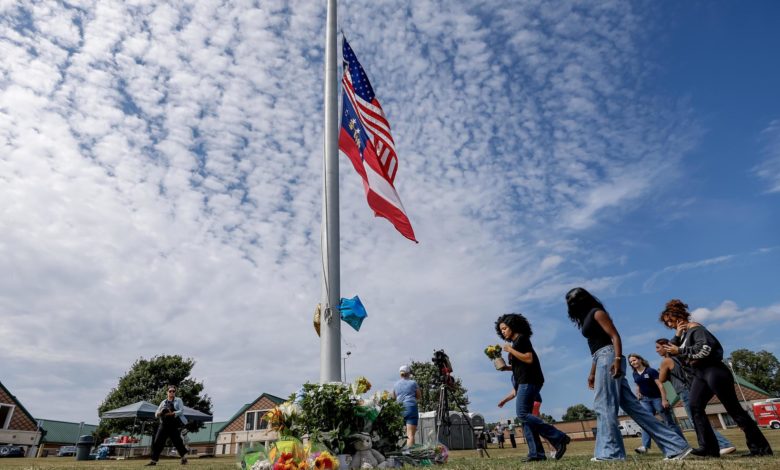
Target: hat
{"points": [[404, 369]]}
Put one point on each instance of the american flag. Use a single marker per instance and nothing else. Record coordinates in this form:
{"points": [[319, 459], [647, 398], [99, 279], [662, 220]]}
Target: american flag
{"points": [[365, 139]]}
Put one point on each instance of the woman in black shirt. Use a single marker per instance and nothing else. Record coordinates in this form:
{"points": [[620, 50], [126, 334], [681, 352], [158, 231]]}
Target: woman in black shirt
{"points": [[703, 353], [527, 381], [607, 379]]}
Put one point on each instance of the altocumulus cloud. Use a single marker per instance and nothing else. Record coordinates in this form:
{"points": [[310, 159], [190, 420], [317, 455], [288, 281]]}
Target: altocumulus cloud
{"points": [[160, 170]]}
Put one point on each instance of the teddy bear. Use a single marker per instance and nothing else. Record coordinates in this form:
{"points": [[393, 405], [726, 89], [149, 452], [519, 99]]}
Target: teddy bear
{"points": [[366, 456]]}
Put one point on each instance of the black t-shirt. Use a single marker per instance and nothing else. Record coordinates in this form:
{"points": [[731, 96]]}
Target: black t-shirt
{"points": [[597, 337], [523, 373]]}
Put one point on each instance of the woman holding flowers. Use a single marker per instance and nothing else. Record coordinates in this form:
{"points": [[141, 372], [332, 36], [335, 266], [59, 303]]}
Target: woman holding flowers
{"points": [[407, 392], [527, 382]]}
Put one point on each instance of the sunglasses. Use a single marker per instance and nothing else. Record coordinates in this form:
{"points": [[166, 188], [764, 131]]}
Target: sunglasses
{"points": [[169, 391]]}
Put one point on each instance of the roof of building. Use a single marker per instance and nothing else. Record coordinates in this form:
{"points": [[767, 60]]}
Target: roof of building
{"points": [[18, 403], [208, 433], [241, 411], [64, 432]]}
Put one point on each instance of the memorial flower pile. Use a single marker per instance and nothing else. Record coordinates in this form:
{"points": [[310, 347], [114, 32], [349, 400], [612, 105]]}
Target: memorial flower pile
{"points": [[326, 415]]}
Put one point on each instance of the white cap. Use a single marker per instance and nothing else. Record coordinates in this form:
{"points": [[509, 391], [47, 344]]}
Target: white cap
{"points": [[404, 369]]}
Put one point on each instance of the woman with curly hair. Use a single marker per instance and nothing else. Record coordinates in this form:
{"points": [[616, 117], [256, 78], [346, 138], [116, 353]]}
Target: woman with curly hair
{"points": [[607, 378], [703, 353], [652, 395], [527, 382]]}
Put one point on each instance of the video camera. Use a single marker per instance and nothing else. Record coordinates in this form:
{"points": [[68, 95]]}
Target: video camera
{"points": [[442, 362]]}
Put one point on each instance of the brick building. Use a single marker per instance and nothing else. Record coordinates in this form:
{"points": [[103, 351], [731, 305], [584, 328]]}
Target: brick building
{"points": [[247, 426], [17, 426]]}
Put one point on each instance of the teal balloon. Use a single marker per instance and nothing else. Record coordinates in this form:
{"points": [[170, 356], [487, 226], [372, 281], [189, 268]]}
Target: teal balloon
{"points": [[353, 312]]}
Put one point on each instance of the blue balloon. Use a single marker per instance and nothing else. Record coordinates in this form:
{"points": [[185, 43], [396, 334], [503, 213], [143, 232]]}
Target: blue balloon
{"points": [[353, 312]]}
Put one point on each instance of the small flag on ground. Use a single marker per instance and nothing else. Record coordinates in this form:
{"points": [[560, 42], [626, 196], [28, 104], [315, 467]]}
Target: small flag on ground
{"points": [[365, 139]]}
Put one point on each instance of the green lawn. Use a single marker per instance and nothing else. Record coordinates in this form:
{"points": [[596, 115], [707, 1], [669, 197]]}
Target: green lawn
{"points": [[577, 456]]}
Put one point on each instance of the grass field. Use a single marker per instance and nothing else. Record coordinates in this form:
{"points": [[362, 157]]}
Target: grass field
{"points": [[577, 456]]}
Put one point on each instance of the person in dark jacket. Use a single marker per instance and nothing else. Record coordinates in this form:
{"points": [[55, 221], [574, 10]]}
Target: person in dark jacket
{"points": [[702, 352], [674, 371]]}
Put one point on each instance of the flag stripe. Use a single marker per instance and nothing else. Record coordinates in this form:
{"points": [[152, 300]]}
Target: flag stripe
{"points": [[371, 114], [375, 137]]}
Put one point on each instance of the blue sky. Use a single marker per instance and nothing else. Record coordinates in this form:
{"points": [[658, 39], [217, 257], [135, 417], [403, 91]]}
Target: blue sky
{"points": [[161, 163]]}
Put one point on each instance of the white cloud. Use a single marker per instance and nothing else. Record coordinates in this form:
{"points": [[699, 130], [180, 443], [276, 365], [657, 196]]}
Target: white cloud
{"points": [[769, 169], [687, 266], [728, 316], [160, 183]]}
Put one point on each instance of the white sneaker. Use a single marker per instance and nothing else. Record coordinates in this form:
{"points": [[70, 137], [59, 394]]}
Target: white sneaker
{"points": [[641, 450], [728, 450], [681, 455]]}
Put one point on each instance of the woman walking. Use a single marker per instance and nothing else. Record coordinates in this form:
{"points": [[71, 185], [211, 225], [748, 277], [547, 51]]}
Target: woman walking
{"points": [[703, 353], [527, 382], [673, 370], [652, 396], [607, 378]]}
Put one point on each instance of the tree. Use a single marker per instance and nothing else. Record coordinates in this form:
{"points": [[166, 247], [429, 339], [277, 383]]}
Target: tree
{"points": [[546, 418], [759, 368], [148, 380], [427, 374], [578, 412]]}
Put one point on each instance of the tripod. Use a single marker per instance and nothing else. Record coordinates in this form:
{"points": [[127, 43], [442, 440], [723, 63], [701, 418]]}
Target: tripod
{"points": [[443, 408]]}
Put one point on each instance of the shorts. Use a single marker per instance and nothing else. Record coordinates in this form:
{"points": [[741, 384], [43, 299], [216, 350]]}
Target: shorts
{"points": [[411, 415]]}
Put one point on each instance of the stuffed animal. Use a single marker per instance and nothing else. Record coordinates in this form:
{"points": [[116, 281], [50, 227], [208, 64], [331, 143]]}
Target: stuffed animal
{"points": [[366, 457]]}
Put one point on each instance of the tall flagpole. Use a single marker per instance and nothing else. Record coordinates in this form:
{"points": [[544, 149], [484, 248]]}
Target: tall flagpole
{"points": [[330, 328]]}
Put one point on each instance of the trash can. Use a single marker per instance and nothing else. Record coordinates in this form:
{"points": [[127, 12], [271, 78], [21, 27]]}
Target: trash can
{"points": [[83, 447]]}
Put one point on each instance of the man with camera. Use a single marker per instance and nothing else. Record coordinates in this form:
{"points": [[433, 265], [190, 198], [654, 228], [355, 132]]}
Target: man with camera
{"points": [[171, 415]]}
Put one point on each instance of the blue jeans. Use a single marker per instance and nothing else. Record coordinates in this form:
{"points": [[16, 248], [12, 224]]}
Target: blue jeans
{"points": [[612, 394], [655, 406], [533, 427], [722, 441]]}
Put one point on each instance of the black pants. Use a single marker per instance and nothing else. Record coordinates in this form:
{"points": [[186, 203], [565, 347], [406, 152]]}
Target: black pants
{"points": [[717, 380], [168, 429], [512, 439]]}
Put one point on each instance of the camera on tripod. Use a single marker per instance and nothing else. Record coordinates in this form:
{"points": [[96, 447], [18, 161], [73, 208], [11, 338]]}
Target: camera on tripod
{"points": [[445, 382], [442, 362]]}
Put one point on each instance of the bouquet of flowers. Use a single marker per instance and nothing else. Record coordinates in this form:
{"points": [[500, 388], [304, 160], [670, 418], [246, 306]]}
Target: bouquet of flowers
{"points": [[325, 461], [287, 462], [283, 418], [288, 454], [494, 354], [361, 386]]}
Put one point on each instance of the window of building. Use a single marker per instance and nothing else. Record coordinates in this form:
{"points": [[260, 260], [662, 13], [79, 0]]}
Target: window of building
{"points": [[728, 420], [5, 415], [262, 423], [685, 423], [254, 420]]}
